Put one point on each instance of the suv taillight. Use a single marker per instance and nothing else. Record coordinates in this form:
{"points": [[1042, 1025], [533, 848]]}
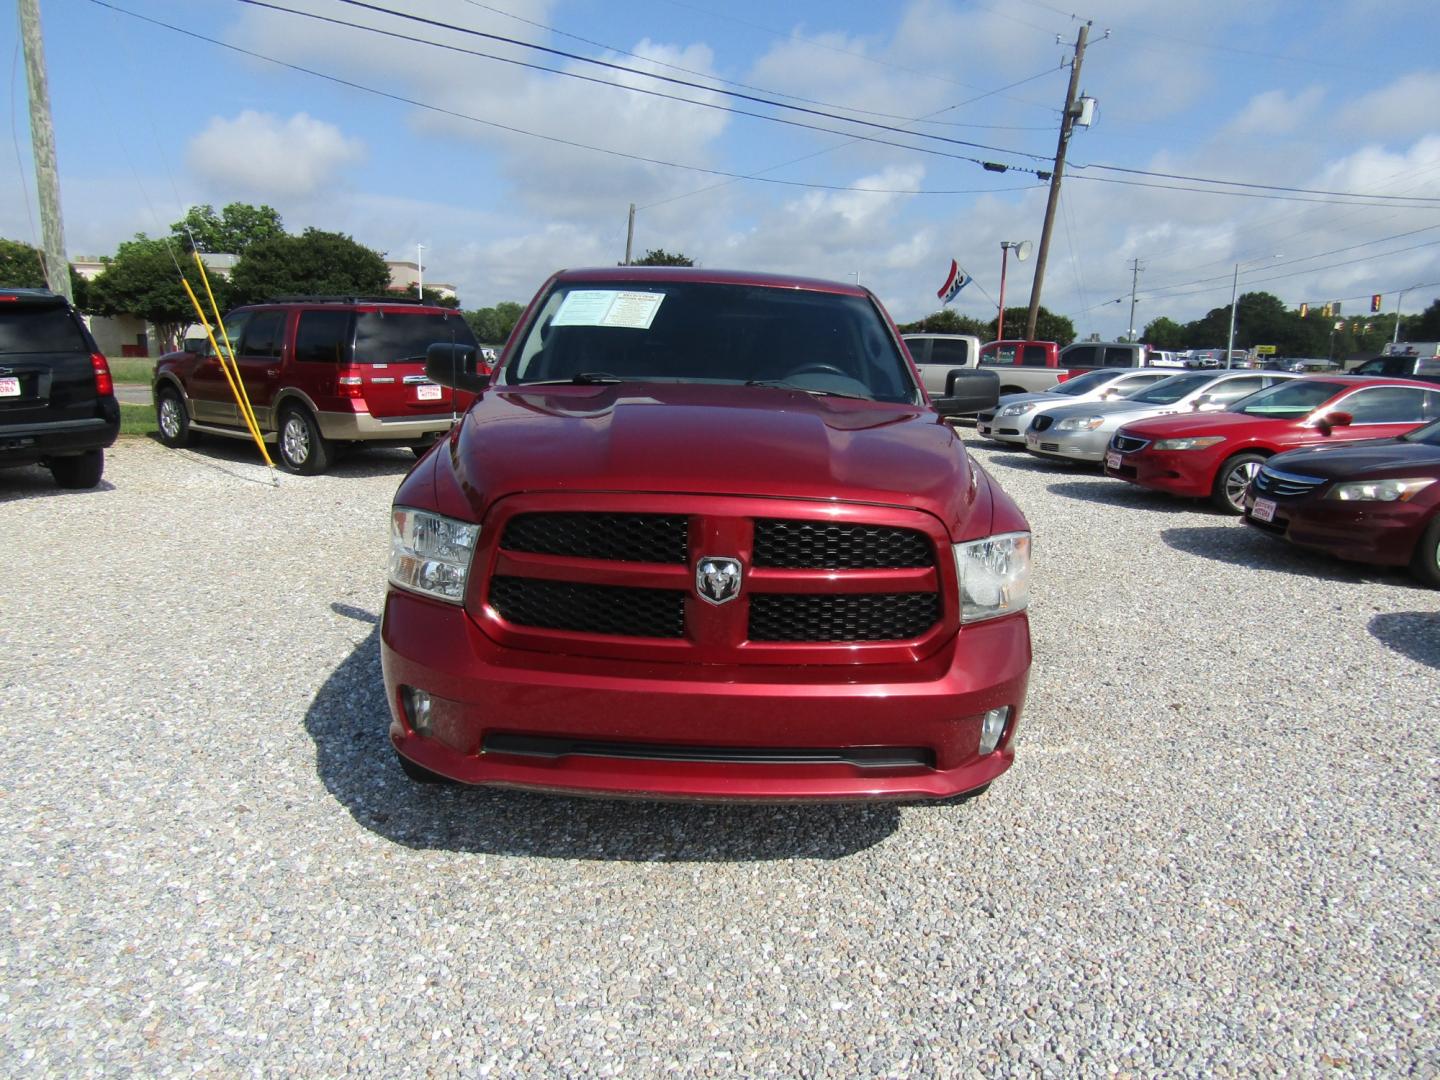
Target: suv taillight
{"points": [[349, 383], [104, 384]]}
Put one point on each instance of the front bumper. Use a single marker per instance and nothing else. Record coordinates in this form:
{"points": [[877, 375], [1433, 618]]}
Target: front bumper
{"points": [[1068, 445], [1007, 429], [481, 690], [1188, 473], [1382, 534]]}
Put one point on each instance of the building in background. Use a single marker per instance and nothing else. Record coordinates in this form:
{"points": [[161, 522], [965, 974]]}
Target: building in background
{"points": [[405, 275]]}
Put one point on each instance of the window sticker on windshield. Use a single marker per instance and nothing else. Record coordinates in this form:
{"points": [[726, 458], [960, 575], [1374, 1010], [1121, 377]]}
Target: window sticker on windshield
{"points": [[609, 307]]}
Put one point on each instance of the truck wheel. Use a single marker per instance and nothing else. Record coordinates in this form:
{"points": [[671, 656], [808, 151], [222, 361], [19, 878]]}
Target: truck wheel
{"points": [[171, 418], [1233, 480], [302, 448], [1425, 563], [419, 773], [78, 470]]}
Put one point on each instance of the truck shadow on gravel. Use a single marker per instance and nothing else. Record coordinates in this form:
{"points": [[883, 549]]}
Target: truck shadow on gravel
{"points": [[1240, 545], [1415, 634], [348, 721], [216, 452]]}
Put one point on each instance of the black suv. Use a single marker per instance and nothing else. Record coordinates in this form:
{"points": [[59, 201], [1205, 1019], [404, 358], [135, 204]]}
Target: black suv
{"points": [[57, 399]]}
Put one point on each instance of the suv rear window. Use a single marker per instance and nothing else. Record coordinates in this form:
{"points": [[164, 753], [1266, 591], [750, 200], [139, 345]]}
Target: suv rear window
{"points": [[395, 336], [26, 328]]}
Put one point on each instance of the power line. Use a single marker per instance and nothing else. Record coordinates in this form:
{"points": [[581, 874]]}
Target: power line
{"points": [[1258, 187]]}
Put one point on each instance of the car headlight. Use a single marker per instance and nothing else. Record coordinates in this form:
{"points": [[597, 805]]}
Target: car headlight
{"points": [[431, 554], [1397, 490], [1195, 443], [1020, 408], [1080, 423], [994, 576]]}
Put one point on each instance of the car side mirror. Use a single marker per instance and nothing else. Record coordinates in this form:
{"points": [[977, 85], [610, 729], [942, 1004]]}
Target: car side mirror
{"points": [[1206, 403], [457, 366], [1333, 420]]}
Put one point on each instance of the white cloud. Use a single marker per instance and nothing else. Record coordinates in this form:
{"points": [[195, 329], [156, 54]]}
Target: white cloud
{"points": [[262, 155], [1404, 108], [1275, 112]]}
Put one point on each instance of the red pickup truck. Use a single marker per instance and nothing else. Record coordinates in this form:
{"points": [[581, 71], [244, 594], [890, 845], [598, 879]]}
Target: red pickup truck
{"points": [[702, 536]]}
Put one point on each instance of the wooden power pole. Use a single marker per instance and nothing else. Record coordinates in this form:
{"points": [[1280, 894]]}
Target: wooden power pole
{"points": [[42, 139], [1067, 122]]}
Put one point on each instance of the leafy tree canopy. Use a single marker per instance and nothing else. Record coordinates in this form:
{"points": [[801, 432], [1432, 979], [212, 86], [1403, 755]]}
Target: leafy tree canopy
{"points": [[231, 231], [1048, 325], [315, 262], [661, 257], [142, 279], [947, 321], [1427, 326], [492, 325], [1164, 333], [22, 268]]}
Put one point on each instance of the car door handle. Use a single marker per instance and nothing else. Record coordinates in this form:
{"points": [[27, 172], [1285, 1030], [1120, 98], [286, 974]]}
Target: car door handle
{"points": [[272, 373]]}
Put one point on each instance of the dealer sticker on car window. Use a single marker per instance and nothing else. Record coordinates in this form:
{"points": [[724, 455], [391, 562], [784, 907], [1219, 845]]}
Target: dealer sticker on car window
{"points": [[609, 307]]}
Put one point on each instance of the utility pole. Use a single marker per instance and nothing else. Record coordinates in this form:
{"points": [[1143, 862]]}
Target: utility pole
{"points": [[1067, 122], [630, 234], [420, 271], [42, 139], [1134, 281]]}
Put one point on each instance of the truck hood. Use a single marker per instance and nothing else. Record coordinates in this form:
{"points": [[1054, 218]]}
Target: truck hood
{"points": [[1362, 458], [706, 439]]}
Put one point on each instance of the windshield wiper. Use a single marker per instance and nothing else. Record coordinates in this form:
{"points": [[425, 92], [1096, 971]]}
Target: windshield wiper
{"points": [[584, 378], [781, 384]]}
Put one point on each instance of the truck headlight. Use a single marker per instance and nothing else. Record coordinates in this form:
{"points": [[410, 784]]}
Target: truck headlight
{"points": [[1195, 442], [994, 576], [431, 554], [1395, 490], [1080, 423]]}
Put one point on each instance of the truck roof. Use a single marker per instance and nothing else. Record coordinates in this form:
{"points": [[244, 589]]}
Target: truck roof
{"points": [[709, 276]]}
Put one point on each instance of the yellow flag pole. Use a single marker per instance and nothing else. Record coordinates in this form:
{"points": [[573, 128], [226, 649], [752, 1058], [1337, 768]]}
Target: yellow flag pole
{"points": [[234, 389], [243, 398]]}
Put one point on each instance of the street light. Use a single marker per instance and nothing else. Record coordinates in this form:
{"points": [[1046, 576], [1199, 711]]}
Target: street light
{"points": [[1398, 301], [1234, 288], [1022, 252]]}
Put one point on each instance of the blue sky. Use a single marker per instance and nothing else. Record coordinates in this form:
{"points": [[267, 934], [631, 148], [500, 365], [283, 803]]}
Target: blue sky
{"points": [[1339, 97]]}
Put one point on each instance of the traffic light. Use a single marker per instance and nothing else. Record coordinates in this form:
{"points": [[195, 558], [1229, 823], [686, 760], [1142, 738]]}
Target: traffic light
{"points": [[1304, 310], [1328, 310], [1375, 302]]}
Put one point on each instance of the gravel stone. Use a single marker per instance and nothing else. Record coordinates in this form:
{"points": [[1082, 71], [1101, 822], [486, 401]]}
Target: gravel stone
{"points": [[1216, 854]]}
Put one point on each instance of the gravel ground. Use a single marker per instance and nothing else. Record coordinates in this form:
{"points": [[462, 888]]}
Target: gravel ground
{"points": [[1217, 852]]}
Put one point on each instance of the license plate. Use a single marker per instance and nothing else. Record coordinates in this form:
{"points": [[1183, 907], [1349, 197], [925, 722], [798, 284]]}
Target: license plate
{"points": [[1112, 460], [983, 429], [429, 392], [1032, 440], [10, 387], [1263, 510]]}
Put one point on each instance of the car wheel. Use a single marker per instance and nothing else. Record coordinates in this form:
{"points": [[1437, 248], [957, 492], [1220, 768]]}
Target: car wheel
{"points": [[1425, 563], [1233, 480], [79, 470], [421, 449], [302, 448], [171, 418], [419, 773]]}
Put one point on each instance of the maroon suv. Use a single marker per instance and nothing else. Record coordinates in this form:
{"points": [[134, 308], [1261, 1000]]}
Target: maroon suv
{"points": [[319, 373], [704, 537]]}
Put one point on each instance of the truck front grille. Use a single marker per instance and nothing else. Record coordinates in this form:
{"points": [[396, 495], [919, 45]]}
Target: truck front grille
{"points": [[589, 609], [864, 617], [819, 545], [653, 538]]}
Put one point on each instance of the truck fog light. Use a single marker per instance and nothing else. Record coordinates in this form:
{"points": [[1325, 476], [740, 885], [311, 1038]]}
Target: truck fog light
{"points": [[417, 709], [992, 727]]}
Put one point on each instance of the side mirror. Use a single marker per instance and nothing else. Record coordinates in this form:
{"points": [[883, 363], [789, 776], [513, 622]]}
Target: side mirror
{"points": [[456, 366], [1325, 424], [1206, 403]]}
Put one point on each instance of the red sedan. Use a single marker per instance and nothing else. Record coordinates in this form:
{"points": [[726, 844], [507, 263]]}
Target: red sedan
{"points": [[1217, 454]]}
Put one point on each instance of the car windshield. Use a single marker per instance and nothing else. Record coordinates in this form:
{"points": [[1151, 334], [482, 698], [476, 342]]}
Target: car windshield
{"points": [[389, 337], [1083, 384], [702, 332], [39, 329], [1289, 400], [1429, 434], [1168, 391]]}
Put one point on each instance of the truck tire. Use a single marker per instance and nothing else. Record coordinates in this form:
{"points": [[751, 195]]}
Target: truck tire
{"points": [[171, 418], [303, 449]]}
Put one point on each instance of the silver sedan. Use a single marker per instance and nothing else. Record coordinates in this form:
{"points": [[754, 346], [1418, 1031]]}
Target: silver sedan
{"points": [[1007, 421], [1080, 432]]}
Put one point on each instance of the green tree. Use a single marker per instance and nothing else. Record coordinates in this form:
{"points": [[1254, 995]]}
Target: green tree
{"points": [[22, 268], [1048, 325], [142, 279], [947, 321], [661, 257], [314, 262], [1426, 327], [231, 231], [1164, 333], [492, 325]]}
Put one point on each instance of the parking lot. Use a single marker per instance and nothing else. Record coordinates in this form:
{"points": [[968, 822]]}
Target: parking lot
{"points": [[1217, 850]]}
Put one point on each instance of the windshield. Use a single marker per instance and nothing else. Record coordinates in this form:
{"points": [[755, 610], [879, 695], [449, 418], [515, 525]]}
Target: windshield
{"points": [[1168, 391], [700, 332], [392, 336], [1429, 434], [1083, 384], [1290, 399]]}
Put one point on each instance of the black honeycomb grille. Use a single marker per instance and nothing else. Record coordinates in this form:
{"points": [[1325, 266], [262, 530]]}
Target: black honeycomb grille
{"points": [[861, 617], [589, 609], [819, 545], [652, 538]]}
